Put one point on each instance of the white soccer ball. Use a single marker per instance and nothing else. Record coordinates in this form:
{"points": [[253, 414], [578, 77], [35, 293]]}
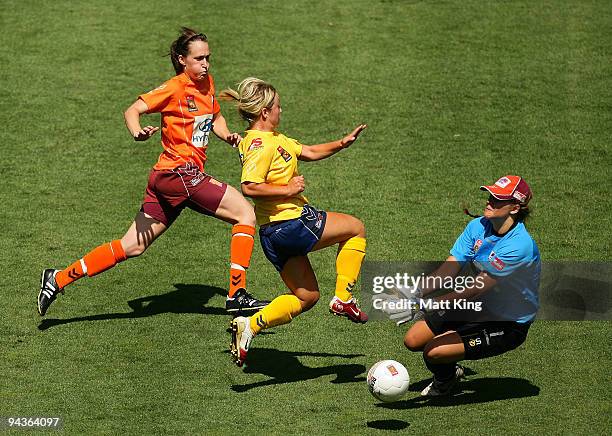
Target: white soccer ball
{"points": [[388, 380]]}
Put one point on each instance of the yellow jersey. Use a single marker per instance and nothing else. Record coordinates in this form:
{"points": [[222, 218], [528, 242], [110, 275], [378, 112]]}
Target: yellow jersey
{"points": [[271, 157]]}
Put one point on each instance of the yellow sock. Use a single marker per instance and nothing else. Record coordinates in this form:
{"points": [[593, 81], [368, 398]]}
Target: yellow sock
{"points": [[280, 311], [348, 264]]}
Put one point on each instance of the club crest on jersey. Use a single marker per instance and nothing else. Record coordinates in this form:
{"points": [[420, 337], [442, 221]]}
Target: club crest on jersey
{"points": [[256, 144], [284, 153], [191, 106], [477, 245]]}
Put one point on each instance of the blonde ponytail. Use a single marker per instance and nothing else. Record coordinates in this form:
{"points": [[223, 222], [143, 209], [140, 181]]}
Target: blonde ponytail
{"points": [[252, 97]]}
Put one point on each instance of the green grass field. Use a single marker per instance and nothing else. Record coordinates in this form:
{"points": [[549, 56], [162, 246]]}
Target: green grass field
{"points": [[455, 95]]}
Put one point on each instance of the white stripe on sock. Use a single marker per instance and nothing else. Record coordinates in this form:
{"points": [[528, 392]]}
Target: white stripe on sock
{"points": [[83, 266], [242, 234], [236, 266]]}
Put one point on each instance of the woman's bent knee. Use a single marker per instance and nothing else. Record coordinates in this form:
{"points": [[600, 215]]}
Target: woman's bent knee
{"points": [[434, 354], [308, 301], [134, 250], [247, 216], [360, 228], [413, 342]]}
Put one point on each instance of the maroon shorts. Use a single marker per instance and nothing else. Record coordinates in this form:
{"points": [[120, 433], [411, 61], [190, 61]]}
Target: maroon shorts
{"points": [[169, 192]]}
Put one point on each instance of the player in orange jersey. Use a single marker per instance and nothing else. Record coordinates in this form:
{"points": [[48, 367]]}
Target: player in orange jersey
{"points": [[290, 228], [189, 112]]}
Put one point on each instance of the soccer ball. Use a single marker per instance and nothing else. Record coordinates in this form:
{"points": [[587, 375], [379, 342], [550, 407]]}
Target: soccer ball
{"points": [[388, 380]]}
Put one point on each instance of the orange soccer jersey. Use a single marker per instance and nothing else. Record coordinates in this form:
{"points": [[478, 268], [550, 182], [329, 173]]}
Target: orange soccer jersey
{"points": [[187, 112]]}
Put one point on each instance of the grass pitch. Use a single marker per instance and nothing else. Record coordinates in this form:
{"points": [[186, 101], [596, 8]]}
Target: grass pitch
{"points": [[455, 94]]}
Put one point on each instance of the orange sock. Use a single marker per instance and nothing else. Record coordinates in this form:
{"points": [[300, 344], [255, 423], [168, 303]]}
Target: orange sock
{"points": [[241, 248], [70, 274], [96, 261]]}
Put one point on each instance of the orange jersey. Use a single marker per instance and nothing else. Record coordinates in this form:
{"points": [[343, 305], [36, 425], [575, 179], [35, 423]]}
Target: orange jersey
{"points": [[187, 112]]}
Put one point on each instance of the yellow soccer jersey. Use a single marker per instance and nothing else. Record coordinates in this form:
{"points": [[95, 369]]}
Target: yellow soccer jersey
{"points": [[271, 157]]}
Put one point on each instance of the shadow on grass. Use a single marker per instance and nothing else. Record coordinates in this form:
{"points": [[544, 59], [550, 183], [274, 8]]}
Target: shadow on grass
{"points": [[388, 424], [482, 390], [285, 367], [184, 299]]}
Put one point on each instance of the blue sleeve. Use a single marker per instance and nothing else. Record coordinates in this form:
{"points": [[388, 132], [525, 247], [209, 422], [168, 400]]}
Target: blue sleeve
{"points": [[463, 250]]}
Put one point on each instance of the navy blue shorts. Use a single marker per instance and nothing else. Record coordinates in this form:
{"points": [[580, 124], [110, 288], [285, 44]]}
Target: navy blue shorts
{"points": [[296, 237]]}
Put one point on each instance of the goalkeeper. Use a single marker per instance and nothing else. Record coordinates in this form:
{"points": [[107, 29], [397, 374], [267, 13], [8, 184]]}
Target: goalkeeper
{"points": [[507, 259]]}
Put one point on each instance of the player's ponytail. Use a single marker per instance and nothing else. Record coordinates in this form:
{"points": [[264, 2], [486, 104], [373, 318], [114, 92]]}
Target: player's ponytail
{"points": [[180, 46], [467, 212], [521, 215], [229, 95], [252, 97]]}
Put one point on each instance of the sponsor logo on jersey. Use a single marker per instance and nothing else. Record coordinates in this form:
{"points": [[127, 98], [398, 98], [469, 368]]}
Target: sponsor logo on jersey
{"points": [[477, 245], [191, 106], [284, 153], [497, 263], [392, 370], [202, 125], [256, 144]]}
